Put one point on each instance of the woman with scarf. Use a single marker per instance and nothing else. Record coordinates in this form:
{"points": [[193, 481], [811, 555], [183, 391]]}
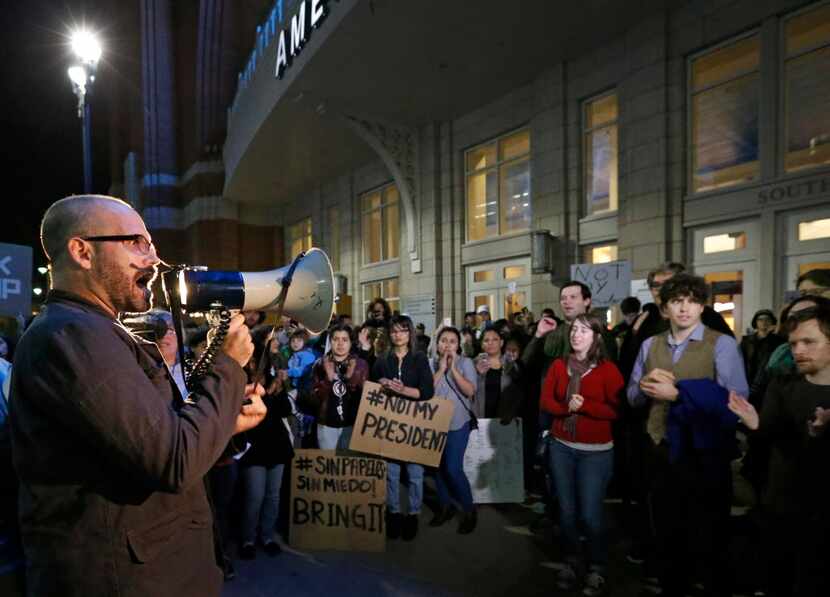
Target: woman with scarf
{"points": [[337, 383], [582, 391]]}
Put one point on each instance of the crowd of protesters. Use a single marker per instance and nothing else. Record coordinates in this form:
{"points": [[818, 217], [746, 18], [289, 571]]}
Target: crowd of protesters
{"points": [[655, 404]]}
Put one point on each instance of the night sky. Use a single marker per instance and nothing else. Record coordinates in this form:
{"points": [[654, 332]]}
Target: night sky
{"points": [[42, 160]]}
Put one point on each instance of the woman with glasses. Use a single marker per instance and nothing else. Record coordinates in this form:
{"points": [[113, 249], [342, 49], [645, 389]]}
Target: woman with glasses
{"points": [[404, 372], [454, 378], [581, 391]]}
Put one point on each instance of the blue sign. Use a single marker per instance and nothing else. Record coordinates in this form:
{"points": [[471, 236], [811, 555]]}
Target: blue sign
{"points": [[15, 280]]}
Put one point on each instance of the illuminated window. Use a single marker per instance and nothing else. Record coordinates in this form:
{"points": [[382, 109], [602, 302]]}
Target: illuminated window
{"points": [[601, 150], [513, 303], [381, 225], [600, 254], [724, 106], [385, 289], [498, 187], [730, 241], [512, 272], [299, 237], [807, 90], [727, 296], [814, 229], [484, 276], [333, 221]]}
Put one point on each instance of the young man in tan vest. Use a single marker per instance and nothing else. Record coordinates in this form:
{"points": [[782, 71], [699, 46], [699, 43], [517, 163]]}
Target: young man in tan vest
{"points": [[690, 495]]}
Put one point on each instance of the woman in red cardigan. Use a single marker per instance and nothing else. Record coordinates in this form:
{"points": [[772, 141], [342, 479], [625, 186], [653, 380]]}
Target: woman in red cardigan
{"points": [[582, 392]]}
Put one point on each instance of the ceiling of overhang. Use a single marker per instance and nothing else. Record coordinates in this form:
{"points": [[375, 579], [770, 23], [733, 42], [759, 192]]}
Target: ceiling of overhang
{"points": [[412, 63]]}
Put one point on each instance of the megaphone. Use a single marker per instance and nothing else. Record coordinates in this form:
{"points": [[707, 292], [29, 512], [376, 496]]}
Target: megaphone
{"points": [[309, 298]]}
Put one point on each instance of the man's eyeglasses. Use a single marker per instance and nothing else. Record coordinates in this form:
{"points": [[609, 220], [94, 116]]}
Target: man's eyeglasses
{"points": [[137, 242]]}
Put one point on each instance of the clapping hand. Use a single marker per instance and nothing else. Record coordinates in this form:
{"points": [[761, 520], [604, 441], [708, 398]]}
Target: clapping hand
{"points": [[819, 422], [745, 411], [575, 403], [659, 385]]}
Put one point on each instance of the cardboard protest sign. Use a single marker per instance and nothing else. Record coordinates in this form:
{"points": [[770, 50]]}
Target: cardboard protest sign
{"points": [[337, 501], [493, 462], [401, 429], [610, 282]]}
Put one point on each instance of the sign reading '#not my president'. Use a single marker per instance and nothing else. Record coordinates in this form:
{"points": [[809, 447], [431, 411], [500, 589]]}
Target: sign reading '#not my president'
{"points": [[337, 501], [400, 428]]}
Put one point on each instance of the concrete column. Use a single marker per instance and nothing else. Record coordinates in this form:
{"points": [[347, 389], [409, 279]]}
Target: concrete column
{"points": [[160, 178]]}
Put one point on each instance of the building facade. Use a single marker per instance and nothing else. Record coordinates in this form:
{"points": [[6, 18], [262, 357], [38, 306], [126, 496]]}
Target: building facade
{"points": [[448, 155]]}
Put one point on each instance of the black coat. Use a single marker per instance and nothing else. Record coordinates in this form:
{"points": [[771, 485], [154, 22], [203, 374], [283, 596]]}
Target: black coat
{"points": [[111, 461]]}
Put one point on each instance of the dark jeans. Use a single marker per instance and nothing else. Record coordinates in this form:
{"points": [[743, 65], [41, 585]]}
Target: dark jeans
{"points": [[795, 554], [450, 480], [582, 478], [690, 502], [222, 486]]}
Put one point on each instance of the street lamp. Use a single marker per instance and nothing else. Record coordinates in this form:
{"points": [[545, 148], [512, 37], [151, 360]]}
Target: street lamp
{"points": [[87, 52]]}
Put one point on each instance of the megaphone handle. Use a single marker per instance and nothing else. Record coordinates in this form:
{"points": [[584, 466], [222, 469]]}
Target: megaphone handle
{"points": [[264, 359]]}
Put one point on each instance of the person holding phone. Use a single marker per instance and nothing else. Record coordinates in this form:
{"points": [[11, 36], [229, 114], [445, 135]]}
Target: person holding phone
{"points": [[404, 372], [496, 393], [454, 378]]}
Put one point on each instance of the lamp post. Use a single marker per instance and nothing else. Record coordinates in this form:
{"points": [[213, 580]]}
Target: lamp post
{"points": [[87, 52]]}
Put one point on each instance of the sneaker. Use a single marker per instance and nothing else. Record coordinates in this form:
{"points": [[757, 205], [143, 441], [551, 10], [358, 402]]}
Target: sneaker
{"points": [[468, 523], [272, 548], [594, 584], [247, 551], [394, 522], [566, 578], [410, 527]]}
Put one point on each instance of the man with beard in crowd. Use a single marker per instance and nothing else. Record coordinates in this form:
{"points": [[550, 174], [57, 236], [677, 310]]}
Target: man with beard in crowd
{"points": [[111, 458], [794, 421]]}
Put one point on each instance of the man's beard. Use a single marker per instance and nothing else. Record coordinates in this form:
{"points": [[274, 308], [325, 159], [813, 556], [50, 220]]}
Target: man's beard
{"points": [[123, 291]]}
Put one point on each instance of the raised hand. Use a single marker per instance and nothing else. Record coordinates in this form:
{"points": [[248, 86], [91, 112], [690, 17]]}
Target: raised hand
{"points": [[545, 326]]}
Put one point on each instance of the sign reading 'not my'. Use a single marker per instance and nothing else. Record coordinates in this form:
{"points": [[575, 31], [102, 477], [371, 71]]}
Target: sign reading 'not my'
{"points": [[399, 428]]}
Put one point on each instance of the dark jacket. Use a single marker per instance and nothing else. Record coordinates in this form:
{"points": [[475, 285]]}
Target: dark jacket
{"points": [[700, 421], [111, 460], [414, 371], [270, 442]]}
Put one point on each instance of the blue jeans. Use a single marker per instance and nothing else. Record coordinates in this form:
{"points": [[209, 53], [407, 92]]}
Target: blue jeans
{"points": [[262, 502], [333, 438], [450, 477], [581, 478], [415, 472]]}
